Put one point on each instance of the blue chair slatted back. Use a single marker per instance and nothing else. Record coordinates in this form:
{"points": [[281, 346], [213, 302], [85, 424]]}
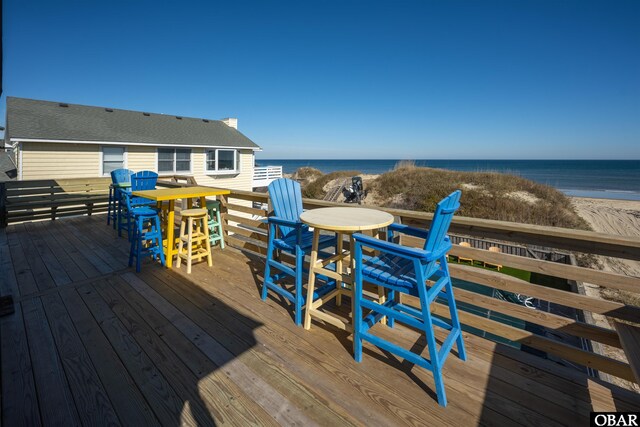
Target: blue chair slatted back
{"points": [[121, 176], [286, 200], [143, 180], [441, 221]]}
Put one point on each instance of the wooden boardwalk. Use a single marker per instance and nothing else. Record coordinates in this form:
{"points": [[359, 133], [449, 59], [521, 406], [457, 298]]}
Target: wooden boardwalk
{"points": [[93, 343]]}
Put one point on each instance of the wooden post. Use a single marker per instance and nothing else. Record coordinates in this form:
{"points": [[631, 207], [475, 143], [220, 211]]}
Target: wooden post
{"points": [[224, 210], [3, 205]]}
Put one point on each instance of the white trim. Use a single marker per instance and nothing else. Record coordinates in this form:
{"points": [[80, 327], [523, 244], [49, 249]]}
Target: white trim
{"points": [[236, 162], [19, 161], [148, 144], [124, 159]]}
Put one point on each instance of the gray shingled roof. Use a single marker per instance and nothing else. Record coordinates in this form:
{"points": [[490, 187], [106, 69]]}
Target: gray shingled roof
{"points": [[33, 119], [8, 171]]}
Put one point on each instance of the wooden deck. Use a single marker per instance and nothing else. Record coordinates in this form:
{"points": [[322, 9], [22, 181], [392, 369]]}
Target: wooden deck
{"points": [[93, 343]]}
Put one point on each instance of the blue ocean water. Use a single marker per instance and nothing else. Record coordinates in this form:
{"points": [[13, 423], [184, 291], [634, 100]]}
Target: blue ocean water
{"points": [[611, 179]]}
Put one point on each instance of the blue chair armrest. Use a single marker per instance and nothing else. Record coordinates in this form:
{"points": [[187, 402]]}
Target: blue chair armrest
{"points": [[392, 248], [285, 222], [411, 231]]}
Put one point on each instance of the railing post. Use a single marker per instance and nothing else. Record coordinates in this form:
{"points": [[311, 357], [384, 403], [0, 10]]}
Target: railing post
{"points": [[224, 211], [3, 205]]}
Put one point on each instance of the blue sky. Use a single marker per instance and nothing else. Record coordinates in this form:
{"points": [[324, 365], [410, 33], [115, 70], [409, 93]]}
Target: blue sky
{"points": [[436, 80]]}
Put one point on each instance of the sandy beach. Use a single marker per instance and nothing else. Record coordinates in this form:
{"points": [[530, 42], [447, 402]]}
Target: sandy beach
{"points": [[612, 217]]}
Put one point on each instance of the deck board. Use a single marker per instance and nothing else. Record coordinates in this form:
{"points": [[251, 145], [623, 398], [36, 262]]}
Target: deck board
{"points": [[54, 394], [92, 342], [159, 393], [258, 390], [19, 399], [125, 396], [55, 246]]}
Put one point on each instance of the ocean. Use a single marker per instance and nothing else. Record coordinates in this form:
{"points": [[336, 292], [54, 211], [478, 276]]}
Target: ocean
{"points": [[610, 179]]}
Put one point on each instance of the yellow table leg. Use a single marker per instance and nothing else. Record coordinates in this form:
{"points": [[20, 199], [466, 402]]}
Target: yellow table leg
{"points": [[170, 238], [312, 278], [339, 244]]}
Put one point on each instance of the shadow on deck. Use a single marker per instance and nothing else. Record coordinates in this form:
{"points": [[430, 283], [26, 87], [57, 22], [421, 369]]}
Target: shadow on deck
{"points": [[91, 342]]}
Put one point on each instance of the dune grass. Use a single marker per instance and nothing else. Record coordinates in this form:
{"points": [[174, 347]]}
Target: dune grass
{"points": [[485, 195], [306, 175]]}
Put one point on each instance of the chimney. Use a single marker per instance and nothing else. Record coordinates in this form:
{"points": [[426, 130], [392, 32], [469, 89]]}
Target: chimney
{"points": [[231, 122]]}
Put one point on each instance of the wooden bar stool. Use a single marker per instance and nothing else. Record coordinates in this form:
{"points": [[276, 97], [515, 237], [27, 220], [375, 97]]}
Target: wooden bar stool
{"points": [[196, 240]]}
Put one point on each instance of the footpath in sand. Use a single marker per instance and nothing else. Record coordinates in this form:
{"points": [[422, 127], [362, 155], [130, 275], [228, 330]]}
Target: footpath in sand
{"points": [[611, 217]]}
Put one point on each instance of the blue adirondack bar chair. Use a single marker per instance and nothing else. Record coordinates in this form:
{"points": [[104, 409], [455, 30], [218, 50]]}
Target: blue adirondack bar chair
{"points": [[146, 236], [405, 270], [119, 179], [288, 234], [143, 180]]}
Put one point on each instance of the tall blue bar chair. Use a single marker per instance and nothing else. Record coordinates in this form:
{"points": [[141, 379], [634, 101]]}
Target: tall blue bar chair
{"points": [[405, 270], [143, 180], [120, 181], [287, 234], [146, 239]]}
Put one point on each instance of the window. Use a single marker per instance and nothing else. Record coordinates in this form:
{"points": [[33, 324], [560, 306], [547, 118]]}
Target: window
{"points": [[112, 159], [222, 161], [172, 160]]}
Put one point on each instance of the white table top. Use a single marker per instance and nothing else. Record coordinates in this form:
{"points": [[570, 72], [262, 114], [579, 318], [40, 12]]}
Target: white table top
{"points": [[346, 219]]}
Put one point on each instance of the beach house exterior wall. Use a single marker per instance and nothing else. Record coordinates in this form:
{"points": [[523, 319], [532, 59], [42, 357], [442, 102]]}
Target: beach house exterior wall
{"points": [[40, 160], [54, 141]]}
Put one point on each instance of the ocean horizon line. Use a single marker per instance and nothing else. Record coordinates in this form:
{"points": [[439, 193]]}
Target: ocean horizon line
{"points": [[453, 159]]}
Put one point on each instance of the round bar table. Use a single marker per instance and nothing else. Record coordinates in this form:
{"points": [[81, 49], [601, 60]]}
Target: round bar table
{"points": [[341, 220]]}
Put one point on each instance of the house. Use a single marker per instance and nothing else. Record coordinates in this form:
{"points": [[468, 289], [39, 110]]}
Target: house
{"points": [[54, 140]]}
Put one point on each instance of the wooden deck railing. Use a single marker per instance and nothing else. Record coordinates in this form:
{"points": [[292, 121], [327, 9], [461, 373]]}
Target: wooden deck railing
{"points": [[249, 233], [56, 198], [52, 198], [244, 229]]}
